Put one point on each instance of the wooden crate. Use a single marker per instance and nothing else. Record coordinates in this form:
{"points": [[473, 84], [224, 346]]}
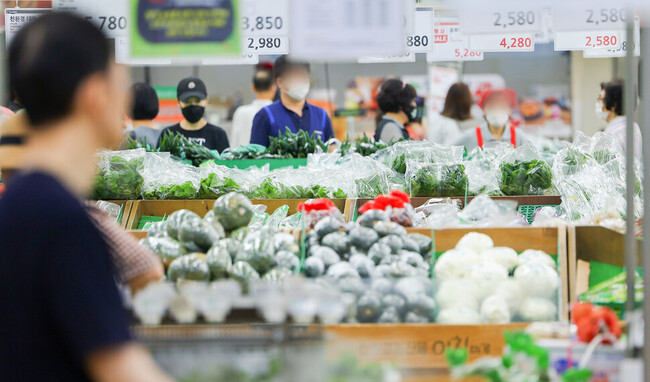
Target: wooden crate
{"points": [[526, 200], [416, 346], [126, 209], [201, 207], [593, 243], [552, 240]]}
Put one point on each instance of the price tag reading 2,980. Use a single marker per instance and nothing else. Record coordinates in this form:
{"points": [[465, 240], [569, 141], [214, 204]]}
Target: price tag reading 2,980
{"points": [[520, 42], [264, 25]]}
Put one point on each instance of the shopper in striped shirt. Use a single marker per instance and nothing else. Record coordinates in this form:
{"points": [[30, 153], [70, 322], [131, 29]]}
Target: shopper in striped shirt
{"points": [[609, 108]]}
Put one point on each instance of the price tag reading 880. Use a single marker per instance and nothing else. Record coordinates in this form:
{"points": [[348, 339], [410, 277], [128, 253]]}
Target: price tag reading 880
{"points": [[264, 26]]}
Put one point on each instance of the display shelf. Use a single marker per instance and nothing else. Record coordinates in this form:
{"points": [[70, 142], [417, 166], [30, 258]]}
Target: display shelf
{"points": [[161, 208], [524, 200], [273, 163], [125, 206], [416, 346], [594, 249]]}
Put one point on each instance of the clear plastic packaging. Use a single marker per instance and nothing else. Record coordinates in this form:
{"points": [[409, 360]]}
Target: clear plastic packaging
{"points": [[119, 175], [165, 178], [435, 179], [523, 172]]}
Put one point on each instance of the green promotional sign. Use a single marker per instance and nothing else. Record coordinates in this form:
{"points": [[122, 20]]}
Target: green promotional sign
{"points": [[184, 28]]}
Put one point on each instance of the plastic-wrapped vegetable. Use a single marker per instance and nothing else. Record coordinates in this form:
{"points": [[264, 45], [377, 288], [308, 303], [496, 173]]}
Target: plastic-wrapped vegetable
{"points": [[190, 267], [219, 261], [369, 307], [276, 275], [165, 178], [363, 237], [119, 175], [288, 260], [157, 229], [494, 310], [512, 294], [506, 257], [176, 219], [538, 309], [199, 232], [536, 256], [338, 241], [231, 245], [233, 211], [523, 173], [314, 267], [166, 248], [436, 179], [257, 249], [458, 315], [537, 280], [455, 263], [243, 273], [474, 241], [458, 292], [423, 242]]}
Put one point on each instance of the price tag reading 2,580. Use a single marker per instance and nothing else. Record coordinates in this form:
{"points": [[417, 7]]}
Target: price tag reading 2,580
{"points": [[586, 40]]}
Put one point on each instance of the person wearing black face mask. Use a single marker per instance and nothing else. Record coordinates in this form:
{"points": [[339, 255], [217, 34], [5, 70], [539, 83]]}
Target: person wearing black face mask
{"points": [[192, 99], [396, 100]]}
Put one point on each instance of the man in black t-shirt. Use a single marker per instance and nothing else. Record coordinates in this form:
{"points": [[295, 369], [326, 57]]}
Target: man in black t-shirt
{"points": [[62, 316], [192, 99]]}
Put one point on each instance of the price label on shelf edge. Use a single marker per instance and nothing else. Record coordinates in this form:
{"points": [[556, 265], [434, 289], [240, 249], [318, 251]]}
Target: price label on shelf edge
{"points": [[422, 38], [517, 42], [585, 40], [503, 17], [449, 43], [266, 45], [622, 50], [589, 15], [109, 16]]}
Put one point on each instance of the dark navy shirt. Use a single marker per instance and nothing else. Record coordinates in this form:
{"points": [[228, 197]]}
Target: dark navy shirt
{"points": [[58, 296], [262, 128]]}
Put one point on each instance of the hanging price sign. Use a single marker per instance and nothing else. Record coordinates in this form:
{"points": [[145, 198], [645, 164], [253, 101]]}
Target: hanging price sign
{"points": [[450, 44], [589, 15], [422, 38], [109, 16], [522, 42], [585, 40], [478, 17], [265, 26], [622, 50]]}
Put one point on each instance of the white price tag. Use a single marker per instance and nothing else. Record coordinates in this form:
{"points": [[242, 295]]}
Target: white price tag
{"points": [[265, 26], [520, 42], [584, 40], [450, 44], [266, 45], [422, 38], [336, 30], [265, 18], [589, 15], [622, 50], [545, 35], [406, 57], [477, 17], [109, 16], [16, 18]]}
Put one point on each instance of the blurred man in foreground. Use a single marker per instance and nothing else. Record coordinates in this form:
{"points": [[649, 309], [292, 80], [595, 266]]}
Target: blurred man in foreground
{"points": [[63, 318]]}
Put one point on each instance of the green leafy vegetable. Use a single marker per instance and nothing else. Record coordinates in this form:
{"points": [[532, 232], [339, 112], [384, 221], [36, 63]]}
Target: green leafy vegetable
{"points": [[439, 180], [525, 177], [299, 145], [120, 180]]}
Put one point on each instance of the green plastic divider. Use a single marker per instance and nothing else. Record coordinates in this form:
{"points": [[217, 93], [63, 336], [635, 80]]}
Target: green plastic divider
{"points": [[149, 219], [273, 163], [119, 216], [529, 210]]}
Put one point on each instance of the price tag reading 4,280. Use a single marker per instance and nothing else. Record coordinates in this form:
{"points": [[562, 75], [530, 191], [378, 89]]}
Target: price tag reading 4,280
{"points": [[265, 28], [519, 42], [585, 40]]}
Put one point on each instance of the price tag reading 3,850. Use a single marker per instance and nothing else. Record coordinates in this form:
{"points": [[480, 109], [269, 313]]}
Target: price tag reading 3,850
{"points": [[478, 17], [585, 40], [265, 28], [518, 42]]}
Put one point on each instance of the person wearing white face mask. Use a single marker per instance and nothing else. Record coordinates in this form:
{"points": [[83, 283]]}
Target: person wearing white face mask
{"points": [[292, 112], [497, 106], [609, 108]]}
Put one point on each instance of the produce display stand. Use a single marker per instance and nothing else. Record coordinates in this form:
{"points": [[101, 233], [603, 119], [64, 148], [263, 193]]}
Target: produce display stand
{"points": [[125, 210], [162, 208], [524, 200], [587, 244], [418, 350], [552, 240], [274, 164]]}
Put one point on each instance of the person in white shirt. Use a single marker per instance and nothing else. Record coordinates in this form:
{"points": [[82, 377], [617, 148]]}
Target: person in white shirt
{"points": [[609, 108], [242, 121], [456, 116]]}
